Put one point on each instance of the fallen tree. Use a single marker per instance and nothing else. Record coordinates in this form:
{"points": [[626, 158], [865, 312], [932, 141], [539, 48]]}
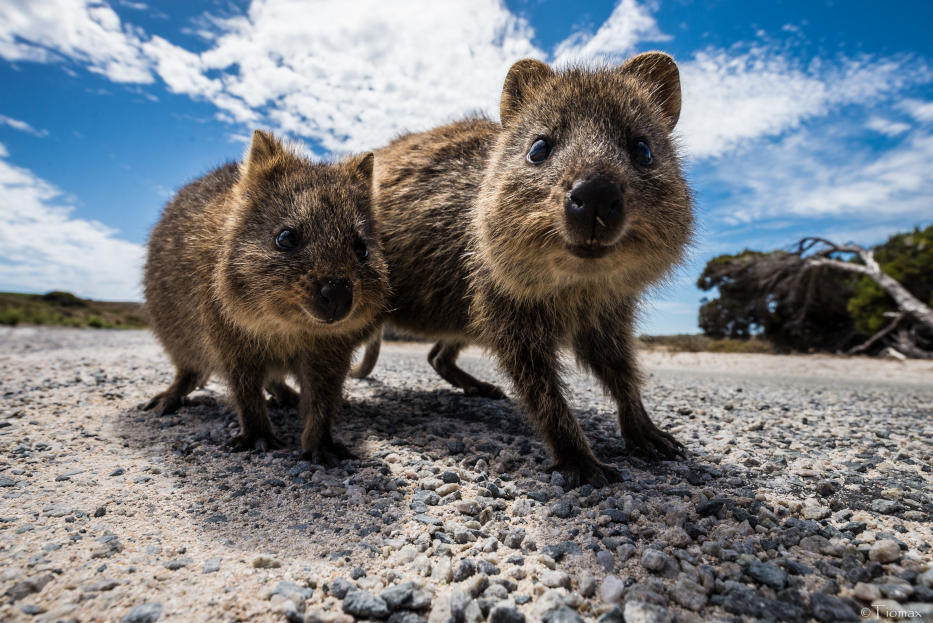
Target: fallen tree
{"points": [[909, 330], [818, 295]]}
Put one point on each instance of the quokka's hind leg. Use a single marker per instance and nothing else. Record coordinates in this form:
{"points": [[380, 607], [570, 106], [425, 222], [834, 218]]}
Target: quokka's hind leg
{"points": [[443, 358], [370, 357], [171, 399], [283, 396]]}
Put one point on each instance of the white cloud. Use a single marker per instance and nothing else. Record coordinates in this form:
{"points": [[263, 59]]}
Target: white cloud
{"points": [[80, 30], [733, 98], [629, 24], [799, 177], [43, 247], [887, 126], [918, 109], [22, 126], [353, 75], [181, 70]]}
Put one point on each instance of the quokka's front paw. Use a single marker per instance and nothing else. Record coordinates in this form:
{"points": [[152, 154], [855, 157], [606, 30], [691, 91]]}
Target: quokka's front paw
{"points": [[654, 443], [328, 453], [261, 443], [164, 403], [645, 437], [585, 469]]}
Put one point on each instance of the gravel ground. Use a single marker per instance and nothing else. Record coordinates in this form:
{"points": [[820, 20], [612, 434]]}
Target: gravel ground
{"points": [[806, 496]]}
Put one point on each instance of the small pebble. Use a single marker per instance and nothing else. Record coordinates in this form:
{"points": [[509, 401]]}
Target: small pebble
{"points": [[884, 551], [610, 590], [143, 613], [642, 612], [365, 604], [463, 569], [555, 579]]}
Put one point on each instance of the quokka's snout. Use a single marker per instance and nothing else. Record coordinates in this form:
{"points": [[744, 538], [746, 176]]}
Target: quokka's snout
{"points": [[332, 298], [594, 213]]}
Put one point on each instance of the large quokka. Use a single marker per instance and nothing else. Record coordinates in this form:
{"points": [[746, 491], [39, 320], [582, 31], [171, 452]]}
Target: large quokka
{"points": [[540, 233], [265, 269]]}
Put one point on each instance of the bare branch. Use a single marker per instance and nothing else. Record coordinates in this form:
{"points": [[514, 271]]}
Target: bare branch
{"points": [[905, 343], [893, 353], [815, 261], [807, 244], [877, 337]]}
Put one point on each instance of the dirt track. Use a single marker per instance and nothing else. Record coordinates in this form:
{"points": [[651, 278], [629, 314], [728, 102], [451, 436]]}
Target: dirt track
{"points": [[806, 495]]}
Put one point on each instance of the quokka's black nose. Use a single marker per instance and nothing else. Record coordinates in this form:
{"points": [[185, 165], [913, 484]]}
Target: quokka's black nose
{"points": [[594, 210], [333, 298]]}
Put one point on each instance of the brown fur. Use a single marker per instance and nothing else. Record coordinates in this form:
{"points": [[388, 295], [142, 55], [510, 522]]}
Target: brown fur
{"points": [[225, 300], [479, 244]]}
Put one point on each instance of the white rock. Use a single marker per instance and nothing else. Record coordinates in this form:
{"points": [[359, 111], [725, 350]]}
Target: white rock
{"points": [[555, 579], [552, 599], [521, 508], [866, 592], [442, 571], [884, 550], [611, 588], [446, 489], [586, 584], [547, 561], [641, 612], [816, 512]]}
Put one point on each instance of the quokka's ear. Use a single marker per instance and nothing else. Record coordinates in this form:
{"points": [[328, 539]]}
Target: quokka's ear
{"points": [[524, 77], [660, 72], [262, 150], [362, 166]]}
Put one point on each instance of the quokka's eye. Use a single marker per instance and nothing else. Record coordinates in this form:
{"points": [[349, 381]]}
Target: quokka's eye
{"points": [[539, 151], [287, 240], [641, 154], [361, 250]]}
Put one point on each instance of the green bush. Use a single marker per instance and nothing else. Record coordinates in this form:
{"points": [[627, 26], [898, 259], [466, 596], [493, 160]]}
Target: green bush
{"points": [[11, 317], [703, 343], [67, 310], [96, 322]]}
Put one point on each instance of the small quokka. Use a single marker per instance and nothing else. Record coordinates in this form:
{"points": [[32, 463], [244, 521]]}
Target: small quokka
{"points": [[541, 232], [265, 269]]}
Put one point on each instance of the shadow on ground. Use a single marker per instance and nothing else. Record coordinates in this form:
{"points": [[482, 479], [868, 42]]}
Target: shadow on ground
{"points": [[276, 502]]}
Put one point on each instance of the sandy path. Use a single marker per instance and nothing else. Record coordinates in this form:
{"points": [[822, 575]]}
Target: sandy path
{"points": [[799, 468]]}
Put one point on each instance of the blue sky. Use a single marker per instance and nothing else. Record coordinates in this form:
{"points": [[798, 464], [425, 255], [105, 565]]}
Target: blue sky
{"points": [[798, 118]]}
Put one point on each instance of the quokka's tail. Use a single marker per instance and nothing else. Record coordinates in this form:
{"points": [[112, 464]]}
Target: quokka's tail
{"points": [[370, 356]]}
